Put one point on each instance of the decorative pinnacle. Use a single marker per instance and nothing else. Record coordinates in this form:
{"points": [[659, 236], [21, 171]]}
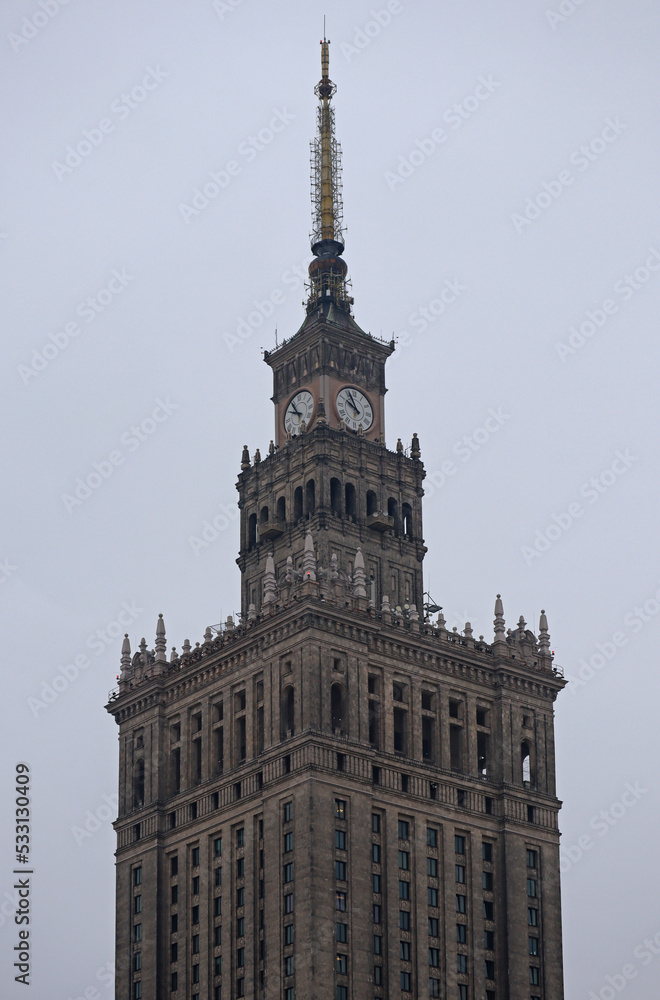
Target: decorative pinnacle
{"points": [[125, 652], [544, 637], [245, 458], [500, 634], [160, 640], [359, 576]]}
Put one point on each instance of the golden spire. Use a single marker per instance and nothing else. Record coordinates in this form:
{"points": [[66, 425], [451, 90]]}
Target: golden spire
{"points": [[328, 271]]}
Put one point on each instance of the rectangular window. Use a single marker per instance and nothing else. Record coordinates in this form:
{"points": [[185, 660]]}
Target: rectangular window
{"points": [[240, 927], [195, 944], [486, 851], [217, 936], [431, 837], [461, 904], [460, 873], [404, 830], [404, 920], [433, 927], [137, 961], [240, 837], [531, 887], [432, 867], [487, 881], [137, 990], [341, 932], [195, 973], [376, 882], [217, 906], [531, 858], [217, 965], [217, 847], [378, 975], [405, 981], [375, 853], [488, 910], [240, 987], [459, 844], [195, 885], [288, 903], [240, 867], [287, 812], [218, 875], [288, 842], [462, 992], [461, 933], [174, 923], [194, 857], [534, 975], [375, 822], [137, 904], [432, 895], [404, 951], [137, 875], [489, 969], [434, 958], [461, 964], [174, 952], [174, 982], [434, 987], [288, 934], [340, 809], [341, 964], [377, 913], [289, 993], [195, 915], [532, 916], [174, 865], [340, 840], [533, 946], [174, 895], [404, 860], [240, 897], [288, 872], [489, 940], [378, 944], [340, 901], [341, 993], [240, 958], [404, 889]]}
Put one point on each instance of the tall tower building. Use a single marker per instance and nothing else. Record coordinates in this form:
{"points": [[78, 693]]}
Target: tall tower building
{"points": [[336, 797]]}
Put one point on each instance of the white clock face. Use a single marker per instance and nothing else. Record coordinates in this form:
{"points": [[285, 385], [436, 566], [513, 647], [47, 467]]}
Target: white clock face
{"points": [[354, 409], [300, 408]]}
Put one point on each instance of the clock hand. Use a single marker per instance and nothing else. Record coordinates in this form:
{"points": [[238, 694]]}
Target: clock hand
{"points": [[296, 410], [355, 408]]}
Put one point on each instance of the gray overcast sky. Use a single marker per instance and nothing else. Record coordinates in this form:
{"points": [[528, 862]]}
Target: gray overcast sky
{"points": [[506, 150]]}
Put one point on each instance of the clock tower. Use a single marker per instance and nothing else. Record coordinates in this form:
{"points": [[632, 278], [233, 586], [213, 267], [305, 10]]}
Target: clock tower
{"points": [[328, 469]]}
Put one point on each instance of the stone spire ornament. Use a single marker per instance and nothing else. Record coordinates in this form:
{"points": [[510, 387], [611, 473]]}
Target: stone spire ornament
{"points": [[160, 644], [500, 634], [125, 653], [309, 560], [359, 576], [544, 637], [245, 458], [270, 587], [415, 450]]}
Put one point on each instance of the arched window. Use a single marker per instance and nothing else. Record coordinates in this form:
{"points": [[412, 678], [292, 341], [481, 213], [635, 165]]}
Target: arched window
{"points": [[526, 763], [350, 501], [297, 503], [138, 783], [393, 511], [407, 525], [287, 726], [252, 531], [372, 502], [281, 509], [310, 497], [263, 516], [335, 496], [338, 709]]}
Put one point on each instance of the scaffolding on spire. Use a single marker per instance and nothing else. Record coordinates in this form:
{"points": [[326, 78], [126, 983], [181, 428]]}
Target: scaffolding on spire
{"points": [[328, 271]]}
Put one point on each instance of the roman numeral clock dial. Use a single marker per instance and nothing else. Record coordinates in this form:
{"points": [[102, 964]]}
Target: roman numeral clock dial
{"points": [[300, 408], [354, 409]]}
